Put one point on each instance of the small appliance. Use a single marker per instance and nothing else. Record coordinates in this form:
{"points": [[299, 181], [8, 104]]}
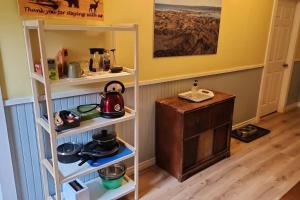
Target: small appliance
{"points": [[112, 102], [95, 59], [76, 190]]}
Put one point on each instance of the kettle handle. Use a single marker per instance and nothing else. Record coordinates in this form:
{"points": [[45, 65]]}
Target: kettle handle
{"points": [[114, 82]]}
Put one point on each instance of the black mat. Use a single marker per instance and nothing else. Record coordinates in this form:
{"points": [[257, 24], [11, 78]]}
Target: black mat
{"points": [[259, 133]]}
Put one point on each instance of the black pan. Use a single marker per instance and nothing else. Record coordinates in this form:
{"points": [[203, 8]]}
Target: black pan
{"points": [[93, 151]]}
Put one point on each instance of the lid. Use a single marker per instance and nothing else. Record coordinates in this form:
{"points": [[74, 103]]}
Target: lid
{"points": [[68, 149], [51, 61], [99, 50], [98, 151], [104, 136], [113, 172]]}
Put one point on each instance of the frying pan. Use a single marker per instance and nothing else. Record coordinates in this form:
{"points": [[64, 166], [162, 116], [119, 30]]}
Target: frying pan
{"points": [[93, 151]]}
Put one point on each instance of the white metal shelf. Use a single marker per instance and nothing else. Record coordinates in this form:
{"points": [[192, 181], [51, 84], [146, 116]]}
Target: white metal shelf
{"points": [[97, 192], [38, 77], [91, 124], [94, 78], [33, 24], [69, 172]]}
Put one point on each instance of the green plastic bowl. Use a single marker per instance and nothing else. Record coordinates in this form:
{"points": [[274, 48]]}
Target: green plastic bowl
{"points": [[112, 184]]}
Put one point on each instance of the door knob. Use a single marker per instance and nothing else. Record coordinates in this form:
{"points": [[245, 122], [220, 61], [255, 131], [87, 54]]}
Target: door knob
{"points": [[285, 65]]}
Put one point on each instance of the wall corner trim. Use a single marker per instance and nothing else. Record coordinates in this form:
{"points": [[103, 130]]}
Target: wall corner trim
{"points": [[78, 92]]}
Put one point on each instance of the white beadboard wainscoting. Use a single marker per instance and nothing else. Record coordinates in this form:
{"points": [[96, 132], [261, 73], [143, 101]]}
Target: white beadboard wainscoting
{"points": [[244, 84]]}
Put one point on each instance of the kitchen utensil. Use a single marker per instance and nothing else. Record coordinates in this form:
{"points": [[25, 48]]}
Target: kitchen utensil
{"points": [[93, 151], [114, 61], [87, 112], [112, 102], [116, 69], [96, 59], [106, 140], [106, 60], [112, 176], [74, 70], [68, 152], [65, 120], [76, 190]]}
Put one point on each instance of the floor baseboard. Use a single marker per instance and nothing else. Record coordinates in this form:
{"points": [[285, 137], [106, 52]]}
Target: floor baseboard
{"points": [[142, 166], [292, 106], [239, 125]]}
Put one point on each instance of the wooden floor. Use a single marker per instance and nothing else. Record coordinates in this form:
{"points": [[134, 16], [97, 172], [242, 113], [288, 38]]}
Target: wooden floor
{"points": [[293, 194], [264, 169]]}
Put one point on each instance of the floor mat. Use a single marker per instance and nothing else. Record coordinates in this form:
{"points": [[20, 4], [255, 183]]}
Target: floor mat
{"points": [[249, 133]]}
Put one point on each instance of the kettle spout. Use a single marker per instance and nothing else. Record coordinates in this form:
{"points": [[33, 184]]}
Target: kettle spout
{"points": [[102, 95]]}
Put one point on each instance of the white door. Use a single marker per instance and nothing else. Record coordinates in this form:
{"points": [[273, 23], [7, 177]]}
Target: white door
{"points": [[277, 55]]}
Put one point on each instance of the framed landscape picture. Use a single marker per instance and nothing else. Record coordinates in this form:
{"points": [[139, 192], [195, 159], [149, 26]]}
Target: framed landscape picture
{"points": [[186, 27]]}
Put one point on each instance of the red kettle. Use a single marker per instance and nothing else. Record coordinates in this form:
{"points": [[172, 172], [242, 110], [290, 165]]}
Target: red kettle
{"points": [[112, 102]]}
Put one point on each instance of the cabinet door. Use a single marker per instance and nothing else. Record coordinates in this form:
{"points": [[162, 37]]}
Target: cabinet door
{"points": [[197, 149], [222, 138]]}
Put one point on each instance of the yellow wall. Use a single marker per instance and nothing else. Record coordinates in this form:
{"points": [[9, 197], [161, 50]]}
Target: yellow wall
{"points": [[243, 36]]}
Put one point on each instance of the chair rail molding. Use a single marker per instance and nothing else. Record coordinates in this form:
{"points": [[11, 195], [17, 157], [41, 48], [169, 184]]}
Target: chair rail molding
{"points": [[92, 90]]}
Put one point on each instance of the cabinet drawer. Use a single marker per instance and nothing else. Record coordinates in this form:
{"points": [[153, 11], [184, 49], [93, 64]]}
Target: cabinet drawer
{"points": [[196, 122], [222, 113]]}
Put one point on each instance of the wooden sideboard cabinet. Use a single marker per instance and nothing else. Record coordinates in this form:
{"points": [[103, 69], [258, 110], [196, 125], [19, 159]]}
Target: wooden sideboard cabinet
{"points": [[192, 136]]}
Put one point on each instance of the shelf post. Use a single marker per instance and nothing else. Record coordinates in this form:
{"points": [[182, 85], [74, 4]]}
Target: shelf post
{"points": [[136, 108], [48, 98], [37, 112]]}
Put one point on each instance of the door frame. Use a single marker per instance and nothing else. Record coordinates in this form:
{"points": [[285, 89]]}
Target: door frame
{"points": [[290, 60], [7, 177]]}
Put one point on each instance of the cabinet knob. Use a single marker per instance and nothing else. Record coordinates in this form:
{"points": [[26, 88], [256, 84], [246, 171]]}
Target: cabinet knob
{"points": [[285, 65]]}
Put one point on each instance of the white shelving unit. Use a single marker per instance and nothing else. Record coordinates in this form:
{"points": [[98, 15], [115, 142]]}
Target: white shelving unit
{"points": [[62, 173]]}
